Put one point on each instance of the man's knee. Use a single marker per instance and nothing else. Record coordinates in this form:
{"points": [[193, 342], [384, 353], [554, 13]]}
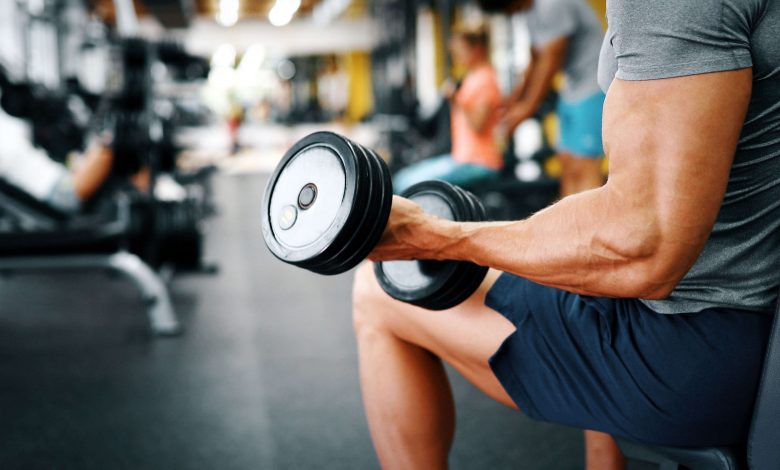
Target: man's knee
{"points": [[370, 305]]}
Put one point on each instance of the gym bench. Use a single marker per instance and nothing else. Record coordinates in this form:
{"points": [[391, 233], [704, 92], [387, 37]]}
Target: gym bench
{"points": [[50, 240]]}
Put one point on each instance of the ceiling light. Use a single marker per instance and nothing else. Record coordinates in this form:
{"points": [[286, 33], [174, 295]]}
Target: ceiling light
{"points": [[227, 15], [283, 11]]}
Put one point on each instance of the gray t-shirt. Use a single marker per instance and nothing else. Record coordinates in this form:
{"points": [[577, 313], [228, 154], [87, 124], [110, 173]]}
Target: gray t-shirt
{"points": [[740, 264], [573, 19]]}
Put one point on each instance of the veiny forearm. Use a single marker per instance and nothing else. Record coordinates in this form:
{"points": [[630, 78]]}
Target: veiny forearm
{"points": [[585, 244]]}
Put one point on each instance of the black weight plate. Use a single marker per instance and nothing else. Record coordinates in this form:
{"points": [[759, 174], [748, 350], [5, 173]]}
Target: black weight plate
{"points": [[469, 284], [472, 275], [440, 299], [367, 209], [468, 202], [387, 199], [416, 281], [466, 205], [379, 206], [338, 249], [376, 217], [480, 213], [327, 161], [467, 277]]}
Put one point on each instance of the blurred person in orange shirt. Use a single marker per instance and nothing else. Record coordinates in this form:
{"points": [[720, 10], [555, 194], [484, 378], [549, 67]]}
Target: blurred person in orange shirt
{"points": [[475, 155]]}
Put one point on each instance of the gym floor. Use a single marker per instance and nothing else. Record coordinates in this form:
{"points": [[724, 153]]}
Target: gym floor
{"points": [[264, 376]]}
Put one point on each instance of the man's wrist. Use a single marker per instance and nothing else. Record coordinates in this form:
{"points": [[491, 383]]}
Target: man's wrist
{"points": [[436, 238], [459, 241]]}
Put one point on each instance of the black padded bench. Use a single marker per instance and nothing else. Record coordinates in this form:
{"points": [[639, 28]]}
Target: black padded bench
{"points": [[50, 240]]}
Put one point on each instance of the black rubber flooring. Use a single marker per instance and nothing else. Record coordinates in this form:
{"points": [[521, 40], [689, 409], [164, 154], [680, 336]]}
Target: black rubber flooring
{"points": [[264, 376]]}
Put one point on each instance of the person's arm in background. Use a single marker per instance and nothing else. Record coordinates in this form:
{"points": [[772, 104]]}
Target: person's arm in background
{"points": [[636, 236], [550, 25], [92, 171], [520, 88], [537, 82]]}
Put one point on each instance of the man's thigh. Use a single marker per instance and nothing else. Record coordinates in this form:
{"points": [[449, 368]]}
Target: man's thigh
{"points": [[465, 336]]}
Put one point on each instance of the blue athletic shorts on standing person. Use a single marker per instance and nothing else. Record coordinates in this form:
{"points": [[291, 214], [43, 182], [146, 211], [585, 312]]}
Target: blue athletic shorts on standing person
{"points": [[580, 126]]}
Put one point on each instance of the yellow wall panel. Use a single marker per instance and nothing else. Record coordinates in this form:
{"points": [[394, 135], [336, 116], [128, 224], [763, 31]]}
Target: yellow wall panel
{"points": [[358, 67], [600, 6]]}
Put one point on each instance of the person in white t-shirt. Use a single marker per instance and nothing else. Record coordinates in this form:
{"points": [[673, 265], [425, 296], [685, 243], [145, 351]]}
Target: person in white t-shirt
{"points": [[31, 170]]}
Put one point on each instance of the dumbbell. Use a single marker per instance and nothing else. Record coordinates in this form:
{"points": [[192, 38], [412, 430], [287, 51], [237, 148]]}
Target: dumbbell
{"points": [[327, 204]]}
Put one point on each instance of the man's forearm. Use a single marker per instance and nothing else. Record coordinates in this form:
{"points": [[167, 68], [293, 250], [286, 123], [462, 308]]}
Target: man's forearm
{"points": [[582, 244]]}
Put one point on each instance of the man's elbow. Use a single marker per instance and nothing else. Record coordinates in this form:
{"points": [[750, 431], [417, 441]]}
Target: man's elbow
{"points": [[659, 275], [655, 269], [655, 289]]}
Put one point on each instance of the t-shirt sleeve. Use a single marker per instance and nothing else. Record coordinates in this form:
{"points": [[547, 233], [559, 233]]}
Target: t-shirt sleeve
{"points": [[550, 20], [674, 38]]}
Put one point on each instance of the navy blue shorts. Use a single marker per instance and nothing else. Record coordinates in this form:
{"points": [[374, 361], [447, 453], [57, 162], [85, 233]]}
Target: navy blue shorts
{"points": [[615, 365]]}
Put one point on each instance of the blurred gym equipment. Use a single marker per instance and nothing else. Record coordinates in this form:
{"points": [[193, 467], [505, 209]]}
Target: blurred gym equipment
{"points": [[139, 234]]}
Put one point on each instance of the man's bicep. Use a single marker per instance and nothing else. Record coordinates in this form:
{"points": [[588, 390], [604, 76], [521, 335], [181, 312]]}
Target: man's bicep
{"points": [[671, 144]]}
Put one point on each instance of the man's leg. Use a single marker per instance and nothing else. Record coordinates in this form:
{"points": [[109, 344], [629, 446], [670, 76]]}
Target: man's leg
{"points": [[406, 394], [602, 452]]}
